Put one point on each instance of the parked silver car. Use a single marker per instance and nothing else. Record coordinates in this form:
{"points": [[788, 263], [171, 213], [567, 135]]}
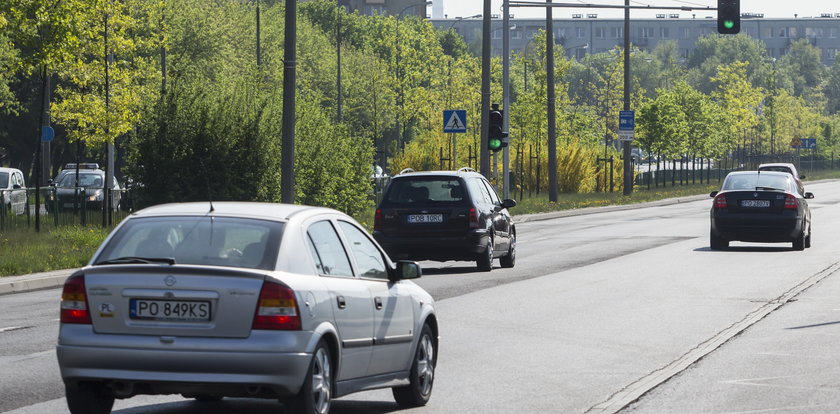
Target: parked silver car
{"points": [[13, 190], [260, 300]]}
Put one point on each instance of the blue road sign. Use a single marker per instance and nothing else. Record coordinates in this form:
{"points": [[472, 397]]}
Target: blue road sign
{"points": [[455, 121], [808, 143], [47, 134], [626, 120], [626, 125]]}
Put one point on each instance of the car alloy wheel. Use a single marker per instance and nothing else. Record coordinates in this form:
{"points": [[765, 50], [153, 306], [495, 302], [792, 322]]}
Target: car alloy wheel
{"points": [[509, 260], [315, 395], [422, 376]]}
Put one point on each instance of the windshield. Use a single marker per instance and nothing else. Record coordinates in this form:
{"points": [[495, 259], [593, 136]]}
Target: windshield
{"points": [[426, 190], [755, 181], [85, 180], [215, 241]]}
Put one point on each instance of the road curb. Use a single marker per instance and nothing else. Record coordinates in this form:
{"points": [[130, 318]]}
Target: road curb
{"points": [[525, 218], [34, 281]]}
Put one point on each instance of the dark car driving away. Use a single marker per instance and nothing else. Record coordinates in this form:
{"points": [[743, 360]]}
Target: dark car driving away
{"points": [[760, 206], [445, 215]]}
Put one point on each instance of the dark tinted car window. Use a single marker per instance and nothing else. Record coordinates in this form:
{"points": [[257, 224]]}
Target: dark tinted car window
{"points": [[425, 190], [4, 180], [751, 181], [330, 252], [493, 196]]}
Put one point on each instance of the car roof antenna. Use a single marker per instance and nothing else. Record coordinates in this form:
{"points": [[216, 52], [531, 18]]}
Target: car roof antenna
{"points": [[210, 197]]}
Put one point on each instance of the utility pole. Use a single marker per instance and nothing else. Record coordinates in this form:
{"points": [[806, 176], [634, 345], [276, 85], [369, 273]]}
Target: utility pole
{"points": [[485, 91], [628, 164], [552, 109], [287, 156], [506, 98]]}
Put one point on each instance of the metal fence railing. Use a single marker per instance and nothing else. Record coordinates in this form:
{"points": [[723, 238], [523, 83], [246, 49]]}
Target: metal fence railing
{"points": [[63, 207]]}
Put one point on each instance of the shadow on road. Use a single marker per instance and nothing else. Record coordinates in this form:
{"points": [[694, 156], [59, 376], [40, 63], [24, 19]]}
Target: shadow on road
{"points": [[256, 406], [746, 249]]}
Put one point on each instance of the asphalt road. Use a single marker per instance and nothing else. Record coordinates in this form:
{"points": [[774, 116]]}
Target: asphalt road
{"points": [[599, 311]]}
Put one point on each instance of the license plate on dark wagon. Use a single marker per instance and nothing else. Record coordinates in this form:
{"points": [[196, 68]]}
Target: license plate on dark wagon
{"points": [[170, 310], [425, 218], [755, 203]]}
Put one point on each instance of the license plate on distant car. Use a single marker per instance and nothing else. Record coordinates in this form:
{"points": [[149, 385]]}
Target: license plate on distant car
{"points": [[425, 218], [170, 310], [755, 203]]}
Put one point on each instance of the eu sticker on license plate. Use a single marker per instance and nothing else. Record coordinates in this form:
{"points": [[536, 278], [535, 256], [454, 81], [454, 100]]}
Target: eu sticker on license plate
{"points": [[425, 218], [170, 310], [755, 203]]}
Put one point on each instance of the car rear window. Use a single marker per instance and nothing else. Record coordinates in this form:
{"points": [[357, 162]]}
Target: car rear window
{"points": [[407, 191], [778, 169], [215, 241], [753, 181]]}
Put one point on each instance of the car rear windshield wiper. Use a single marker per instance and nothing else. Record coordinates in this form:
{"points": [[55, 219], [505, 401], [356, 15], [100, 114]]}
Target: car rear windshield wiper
{"points": [[136, 259], [768, 189]]}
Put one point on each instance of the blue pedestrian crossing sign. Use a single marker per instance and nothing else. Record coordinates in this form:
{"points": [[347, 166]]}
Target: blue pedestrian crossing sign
{"points": [[454, 121]]}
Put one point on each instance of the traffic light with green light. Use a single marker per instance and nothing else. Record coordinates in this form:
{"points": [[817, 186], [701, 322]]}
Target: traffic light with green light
{"points": [[729, 16], [495, 141]]}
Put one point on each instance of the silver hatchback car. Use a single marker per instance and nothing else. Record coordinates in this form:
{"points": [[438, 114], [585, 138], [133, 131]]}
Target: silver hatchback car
{"points": [[232, 299]]}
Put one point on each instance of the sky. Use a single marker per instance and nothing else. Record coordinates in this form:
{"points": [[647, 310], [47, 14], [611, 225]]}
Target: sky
{"points": [[770, 8]]}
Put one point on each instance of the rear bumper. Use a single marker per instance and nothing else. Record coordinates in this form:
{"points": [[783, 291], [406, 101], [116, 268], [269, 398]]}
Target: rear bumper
{"points": [[417, 247], [750, 228], [229, 367]]}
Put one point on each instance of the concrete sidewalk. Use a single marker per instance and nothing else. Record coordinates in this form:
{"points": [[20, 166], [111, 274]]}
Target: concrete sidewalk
{"points": [[53, 279]]}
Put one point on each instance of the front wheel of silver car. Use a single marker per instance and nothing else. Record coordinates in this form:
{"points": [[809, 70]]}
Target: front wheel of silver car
{"points": [[316, 394], [88, 398], [422, 375]]}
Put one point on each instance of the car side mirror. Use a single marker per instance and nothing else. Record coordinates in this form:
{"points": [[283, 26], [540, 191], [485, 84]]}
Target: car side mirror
{"points": [[713, 194], [802, 177], [50, 182], [406, 269], [809, 195], [508, 203], [16, 186]]}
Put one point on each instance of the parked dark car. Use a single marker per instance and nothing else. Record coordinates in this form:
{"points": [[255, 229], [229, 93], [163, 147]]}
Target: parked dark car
{"points": [[89, 189], [760, 206], [445, 215]]}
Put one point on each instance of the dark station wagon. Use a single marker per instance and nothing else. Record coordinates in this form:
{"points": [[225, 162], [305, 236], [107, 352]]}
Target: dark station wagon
{"points": [[445, 215]]}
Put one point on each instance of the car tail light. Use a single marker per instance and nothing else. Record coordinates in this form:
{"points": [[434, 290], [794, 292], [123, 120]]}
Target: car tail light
{"points": [[74, 305], [277, 308], [790, 202], [720, 201], [377, 219], [473, 217]]}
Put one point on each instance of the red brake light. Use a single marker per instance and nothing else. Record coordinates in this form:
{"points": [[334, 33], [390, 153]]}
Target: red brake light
{"points": [[790, 202], [377, 219], [277, 308], [473, 218], [720, 201], [74, 305]]}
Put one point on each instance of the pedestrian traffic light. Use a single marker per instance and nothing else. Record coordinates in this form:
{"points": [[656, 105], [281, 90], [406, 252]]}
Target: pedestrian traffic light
{"points": [[729, 16], [496, 140]]}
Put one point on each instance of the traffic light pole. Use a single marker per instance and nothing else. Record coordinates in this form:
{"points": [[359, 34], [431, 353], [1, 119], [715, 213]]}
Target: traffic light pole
{"points": [[628, 164], [485, 91], [506, 96]]}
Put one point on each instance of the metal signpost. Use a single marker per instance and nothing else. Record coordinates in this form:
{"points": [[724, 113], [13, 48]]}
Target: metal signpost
{"points": [[454, 122]]}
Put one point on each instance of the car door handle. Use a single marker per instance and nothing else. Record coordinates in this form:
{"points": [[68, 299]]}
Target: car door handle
{"points": [[377, 301], [341, 302]]}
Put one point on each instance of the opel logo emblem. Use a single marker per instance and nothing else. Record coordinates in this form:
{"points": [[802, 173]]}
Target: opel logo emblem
{"points": [[170, 280]]}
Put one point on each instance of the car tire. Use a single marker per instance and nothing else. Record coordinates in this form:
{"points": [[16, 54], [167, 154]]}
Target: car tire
{"points": [[509, 260], [799, 243], [88, 398], [716, 242], [422, 375], [485, 258], [808, 240], [316, 393]]}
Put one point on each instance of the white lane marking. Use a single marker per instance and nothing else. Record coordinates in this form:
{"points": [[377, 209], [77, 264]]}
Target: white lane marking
{"points": [[12, 328]]}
